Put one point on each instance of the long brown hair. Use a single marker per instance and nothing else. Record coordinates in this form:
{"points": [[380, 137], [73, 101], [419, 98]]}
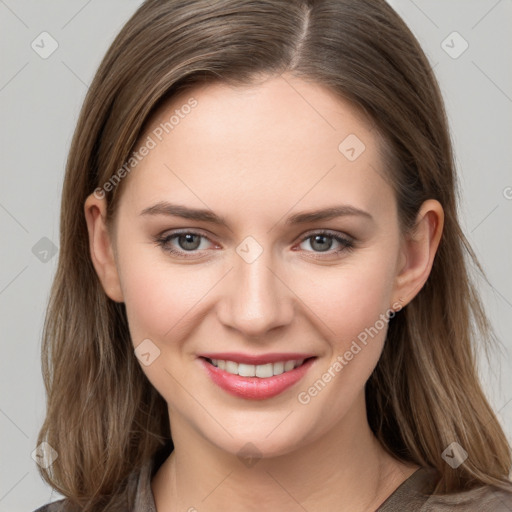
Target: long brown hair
{"points": [[103, 417]]}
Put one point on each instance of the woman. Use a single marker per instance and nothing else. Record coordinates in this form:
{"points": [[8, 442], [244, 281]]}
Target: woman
{"points": [[262, 300]]}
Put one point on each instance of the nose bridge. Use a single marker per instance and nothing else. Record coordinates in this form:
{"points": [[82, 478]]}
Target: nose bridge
{"points": [[258, 301]]}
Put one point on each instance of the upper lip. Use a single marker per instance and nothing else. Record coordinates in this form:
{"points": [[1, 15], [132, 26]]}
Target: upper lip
{"points": [[256, 359]]}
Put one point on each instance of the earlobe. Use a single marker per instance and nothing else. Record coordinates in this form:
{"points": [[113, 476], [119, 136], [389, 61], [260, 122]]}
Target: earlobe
{"points": [[418, 251], [101, 247]]}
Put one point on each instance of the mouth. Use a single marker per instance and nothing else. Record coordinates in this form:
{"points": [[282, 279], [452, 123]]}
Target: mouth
{"points": [[256, 381]]}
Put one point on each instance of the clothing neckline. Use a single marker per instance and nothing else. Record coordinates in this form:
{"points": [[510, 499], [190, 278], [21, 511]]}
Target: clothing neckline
{"points": [[413, 492]]}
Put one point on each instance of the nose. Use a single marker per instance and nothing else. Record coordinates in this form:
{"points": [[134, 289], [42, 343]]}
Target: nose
{"points": [[255, 298]]}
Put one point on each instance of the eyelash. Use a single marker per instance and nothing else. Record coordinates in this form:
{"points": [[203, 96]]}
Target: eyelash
{"points": [[347, 245]]}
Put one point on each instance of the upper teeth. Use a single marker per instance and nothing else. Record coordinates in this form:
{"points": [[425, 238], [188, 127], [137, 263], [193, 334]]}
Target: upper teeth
{"points": [[258, 370]]}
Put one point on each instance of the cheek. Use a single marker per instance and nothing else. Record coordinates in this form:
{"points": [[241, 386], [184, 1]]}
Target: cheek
{"points": [[349, 298], [161, 304], [352, 305], [158, 301], [158, 296]]}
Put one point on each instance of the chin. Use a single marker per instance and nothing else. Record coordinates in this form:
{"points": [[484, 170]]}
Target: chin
{"points": [[266, 439]]}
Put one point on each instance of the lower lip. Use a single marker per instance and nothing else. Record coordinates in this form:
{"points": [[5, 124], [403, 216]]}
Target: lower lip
{"points": [[256, 388]]}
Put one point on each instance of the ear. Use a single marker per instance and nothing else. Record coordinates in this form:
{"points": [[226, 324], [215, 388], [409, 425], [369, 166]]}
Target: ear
{"points": [[101, 247], [418, 251]]}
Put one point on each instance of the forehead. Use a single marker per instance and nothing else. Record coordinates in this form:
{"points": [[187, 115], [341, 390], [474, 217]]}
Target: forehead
{"points": [[285, 138]]}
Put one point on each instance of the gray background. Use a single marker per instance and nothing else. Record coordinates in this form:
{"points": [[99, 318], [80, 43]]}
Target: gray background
{"points": [[39, 104]]}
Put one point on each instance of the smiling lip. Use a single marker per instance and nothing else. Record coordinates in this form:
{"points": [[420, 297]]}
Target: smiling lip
{"points": [[256, 388]]}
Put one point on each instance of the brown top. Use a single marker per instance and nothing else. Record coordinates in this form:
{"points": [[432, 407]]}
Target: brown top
{"points": [[413, 495]]}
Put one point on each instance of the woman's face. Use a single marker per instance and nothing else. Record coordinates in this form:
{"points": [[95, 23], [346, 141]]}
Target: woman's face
{"points": [[276, 279]]}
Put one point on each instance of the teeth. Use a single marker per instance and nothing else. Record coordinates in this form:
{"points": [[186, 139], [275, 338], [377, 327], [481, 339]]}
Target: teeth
{"points": [[289, 365], [231, 367], [264, 370], [259, 370], [246, 370], [278, 368]]}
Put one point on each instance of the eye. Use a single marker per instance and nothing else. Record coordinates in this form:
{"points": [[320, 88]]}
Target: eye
{"points": [[323, 241], [184, 242], [187, 244]]}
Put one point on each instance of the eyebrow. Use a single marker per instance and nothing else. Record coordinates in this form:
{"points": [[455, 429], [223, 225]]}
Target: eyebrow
{"points": [[175, 210]]}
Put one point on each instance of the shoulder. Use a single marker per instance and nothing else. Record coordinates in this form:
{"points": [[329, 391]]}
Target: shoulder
{"points": [[417, 493], [54, 506], [136, 494], [482, 499]]}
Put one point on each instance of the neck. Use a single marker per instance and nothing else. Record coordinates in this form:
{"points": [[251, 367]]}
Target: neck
{"points": [[345, 469]]}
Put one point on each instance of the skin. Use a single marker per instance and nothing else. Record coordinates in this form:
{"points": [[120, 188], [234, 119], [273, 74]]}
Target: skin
{"points": [[256, 155]]}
